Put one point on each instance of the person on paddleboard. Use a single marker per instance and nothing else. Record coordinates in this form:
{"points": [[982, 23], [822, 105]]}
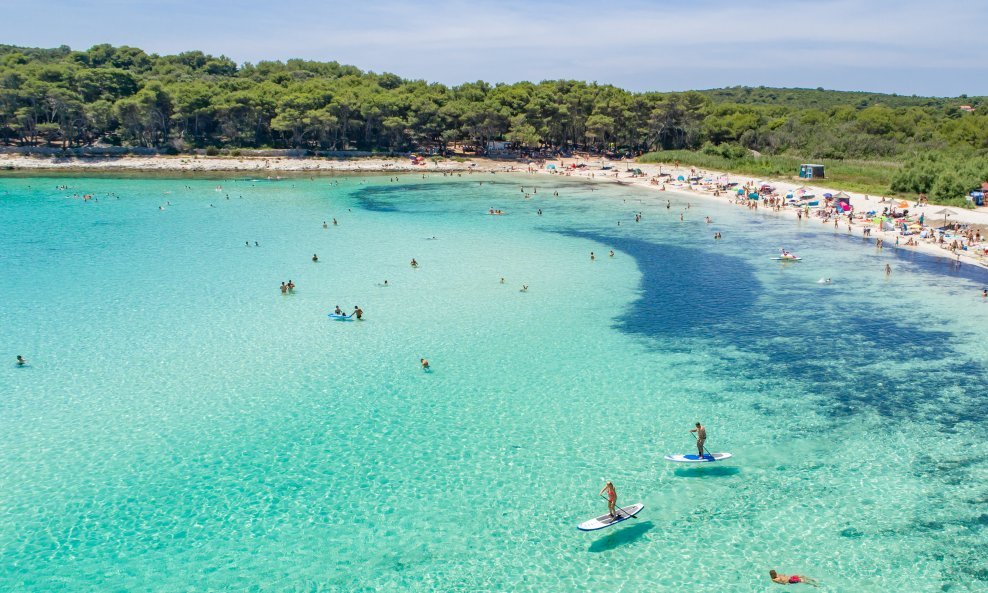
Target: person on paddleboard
{"points": [[701, 436], [611, 498]]}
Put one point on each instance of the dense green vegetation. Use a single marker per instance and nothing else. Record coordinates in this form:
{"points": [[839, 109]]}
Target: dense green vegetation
{"points": [[123, 96]]}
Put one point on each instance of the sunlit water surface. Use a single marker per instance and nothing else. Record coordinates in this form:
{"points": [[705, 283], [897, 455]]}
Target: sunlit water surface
{"points": [[183, 426]]}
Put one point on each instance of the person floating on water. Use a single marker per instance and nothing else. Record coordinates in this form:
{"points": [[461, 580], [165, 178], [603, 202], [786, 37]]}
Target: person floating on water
{"points": [[701, 437], [425, 364], [791, 579], [611, 498], [21, 361], [315, 257]]}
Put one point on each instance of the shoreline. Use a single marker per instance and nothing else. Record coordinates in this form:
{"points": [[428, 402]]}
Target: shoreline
{"points": [[617, 172], [861, 203], [13, 164]]}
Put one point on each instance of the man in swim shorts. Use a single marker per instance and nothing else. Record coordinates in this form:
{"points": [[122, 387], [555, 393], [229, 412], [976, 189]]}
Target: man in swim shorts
{"points": [[701, 437]]}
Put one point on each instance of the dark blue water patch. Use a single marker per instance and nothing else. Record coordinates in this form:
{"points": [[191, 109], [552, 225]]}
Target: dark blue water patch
{"points": [[823, 344], [684, 291], [392, 197]]}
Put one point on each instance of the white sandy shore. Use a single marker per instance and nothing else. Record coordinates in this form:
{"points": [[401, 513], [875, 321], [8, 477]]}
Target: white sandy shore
{"points": [[619, 173], [273, 166]]}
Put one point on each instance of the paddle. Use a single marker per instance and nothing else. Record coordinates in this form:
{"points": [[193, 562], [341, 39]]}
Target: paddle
{"points": [[705, 450], [619, 510]]}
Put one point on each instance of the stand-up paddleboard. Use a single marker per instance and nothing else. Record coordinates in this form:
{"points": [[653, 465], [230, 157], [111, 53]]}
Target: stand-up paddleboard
{"points": [[606, 520], [694, 458], [340, 317], [787, 258]]}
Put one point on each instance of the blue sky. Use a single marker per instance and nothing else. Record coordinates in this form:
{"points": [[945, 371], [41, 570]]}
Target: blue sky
{"points": [[908, 47]]}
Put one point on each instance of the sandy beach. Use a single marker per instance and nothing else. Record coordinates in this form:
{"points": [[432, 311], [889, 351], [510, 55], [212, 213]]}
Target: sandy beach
{"points": [[598, 170]]}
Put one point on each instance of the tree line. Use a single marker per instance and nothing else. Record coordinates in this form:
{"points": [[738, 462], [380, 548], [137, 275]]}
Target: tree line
{"points": [[124, 96]]}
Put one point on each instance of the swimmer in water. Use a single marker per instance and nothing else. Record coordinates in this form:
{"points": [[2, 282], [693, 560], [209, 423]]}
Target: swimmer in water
{"points": [[524, 288], [502, 279], [424, 363], [612, 253], [791, 579], [592, 256], [358, 312], [324, 225], [338, 311], [414, 263], [386, 283], [21, 361], [315, 257]]}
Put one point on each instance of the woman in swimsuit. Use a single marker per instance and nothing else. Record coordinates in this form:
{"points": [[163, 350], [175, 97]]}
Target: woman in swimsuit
{"points": [[791, 579], [611, 498]]}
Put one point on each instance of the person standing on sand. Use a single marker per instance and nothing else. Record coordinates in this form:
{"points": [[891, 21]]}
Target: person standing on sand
{"points": [[701, 437], [611, 498]]}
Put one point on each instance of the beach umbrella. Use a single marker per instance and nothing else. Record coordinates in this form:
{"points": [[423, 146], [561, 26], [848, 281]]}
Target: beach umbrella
{"points": [[828, 195], [946, 212]]}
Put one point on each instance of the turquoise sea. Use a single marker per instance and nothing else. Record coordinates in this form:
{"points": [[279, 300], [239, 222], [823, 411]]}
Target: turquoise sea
{"points": [[183, 426]]}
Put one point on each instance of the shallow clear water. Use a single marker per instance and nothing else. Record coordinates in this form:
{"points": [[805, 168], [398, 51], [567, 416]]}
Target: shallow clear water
{"points": [[183, 426]]}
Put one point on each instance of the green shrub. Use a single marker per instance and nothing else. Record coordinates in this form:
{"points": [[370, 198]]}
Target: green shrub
{"points": [[212, 151]]}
